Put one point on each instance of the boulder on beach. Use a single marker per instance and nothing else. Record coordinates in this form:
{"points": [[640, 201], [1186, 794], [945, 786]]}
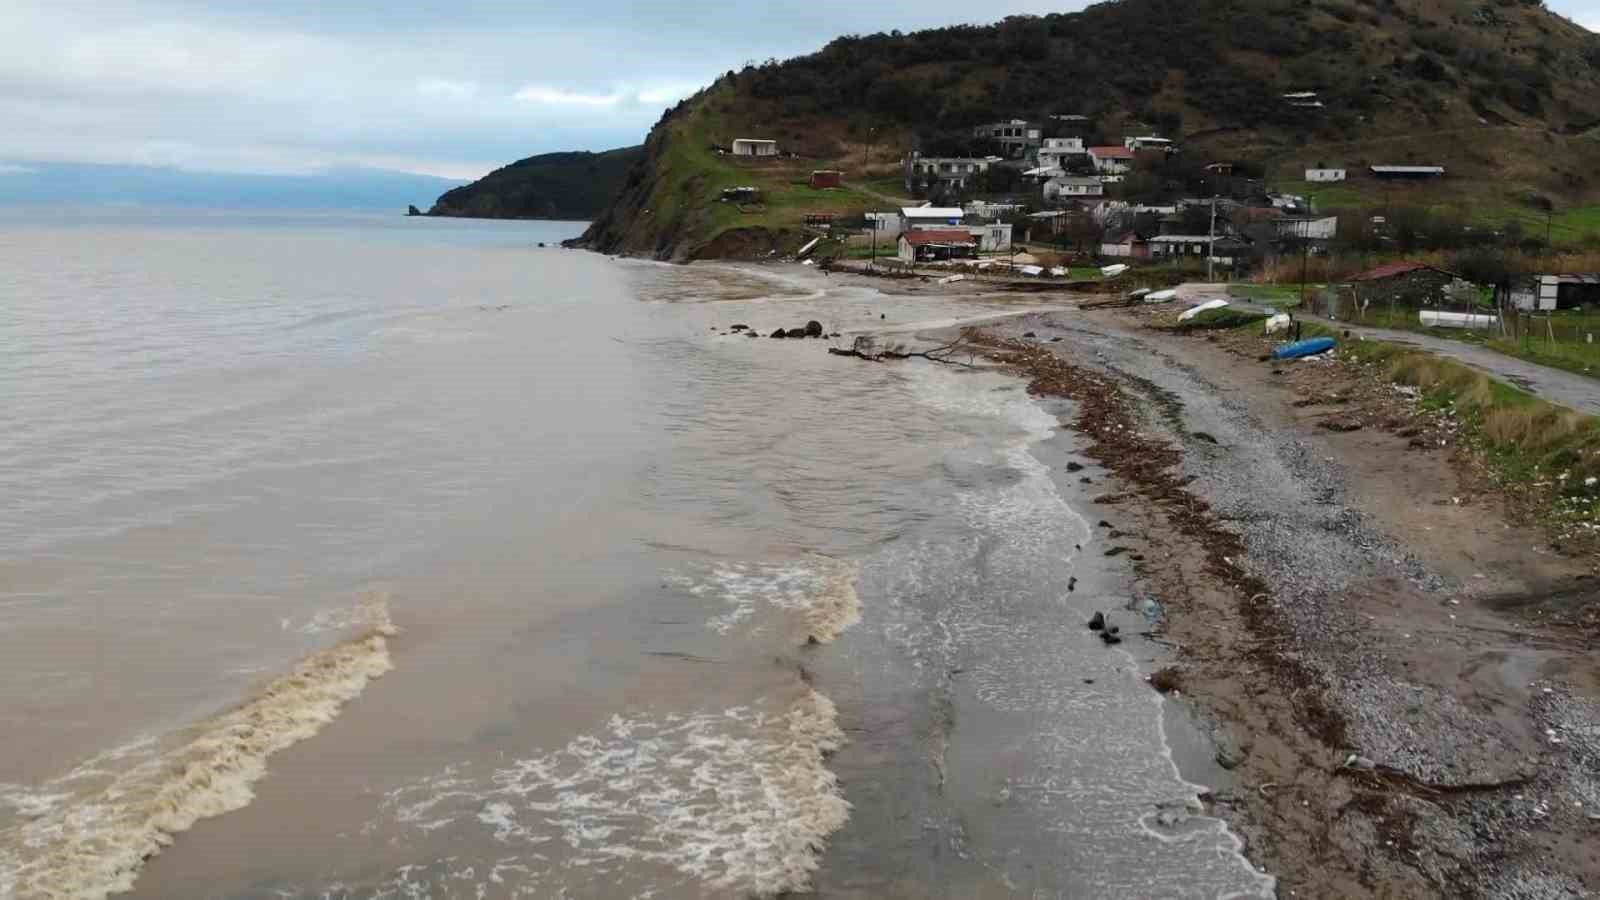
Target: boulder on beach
{"points": [[814, 329], [737, 327], [1097, 622], [779, 333], [797, 333]]}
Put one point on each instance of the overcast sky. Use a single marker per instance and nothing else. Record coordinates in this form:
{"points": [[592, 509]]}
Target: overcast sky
{"points": [[447, 87]]}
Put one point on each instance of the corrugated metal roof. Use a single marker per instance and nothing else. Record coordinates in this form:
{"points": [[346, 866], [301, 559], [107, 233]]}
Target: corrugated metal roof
{"points": [[1111, 152], [931, 212], [1393, 270], [938, 236]]}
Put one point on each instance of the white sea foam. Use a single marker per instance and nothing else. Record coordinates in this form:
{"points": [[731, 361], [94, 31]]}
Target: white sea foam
{"points": [[738, 800], [820, 590], [94, 842]]}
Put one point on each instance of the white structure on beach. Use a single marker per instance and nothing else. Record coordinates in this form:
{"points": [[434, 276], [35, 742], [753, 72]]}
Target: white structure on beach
{"points": [[754, 147], [1326, 175]]}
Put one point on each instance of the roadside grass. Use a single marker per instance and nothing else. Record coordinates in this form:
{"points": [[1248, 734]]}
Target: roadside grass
{"points": [[1550, 452], [1571, 349], [1278, 296]]}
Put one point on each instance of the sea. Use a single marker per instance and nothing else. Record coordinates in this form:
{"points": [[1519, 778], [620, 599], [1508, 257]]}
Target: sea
{"points": [[349, 556]]}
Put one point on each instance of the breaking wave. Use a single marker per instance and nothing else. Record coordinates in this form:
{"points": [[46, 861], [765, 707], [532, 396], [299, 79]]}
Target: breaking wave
{"points": [[88, 833], [738, 800], [821, 591]]}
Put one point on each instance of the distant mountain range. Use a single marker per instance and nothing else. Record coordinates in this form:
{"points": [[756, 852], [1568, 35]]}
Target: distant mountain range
{"points": [[353, 188]]}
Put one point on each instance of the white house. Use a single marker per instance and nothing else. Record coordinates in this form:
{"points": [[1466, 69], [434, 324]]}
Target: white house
{"points": [[1111, 160], [1326, 175], [1552, 292], [887, 225], [985, 209], [954, 172], [754, 147], [922, 218], [1068, 187], [994, 237], [1015, 137]]}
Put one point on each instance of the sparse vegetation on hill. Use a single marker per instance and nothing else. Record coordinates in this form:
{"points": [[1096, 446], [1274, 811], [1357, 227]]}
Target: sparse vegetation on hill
{"points": [[552, 186], [1503, 93]]}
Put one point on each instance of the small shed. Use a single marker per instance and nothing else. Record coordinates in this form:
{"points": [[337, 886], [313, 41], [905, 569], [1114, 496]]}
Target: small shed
{"points": [[932, 245], [1325, 176], [754, 147], [1129, 245], [827, 178], [1411, 284], [819, 221], [1552, 292]]}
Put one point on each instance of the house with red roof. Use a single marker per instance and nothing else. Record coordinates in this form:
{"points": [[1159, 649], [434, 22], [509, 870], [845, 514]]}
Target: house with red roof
{"points": [[929, 245], [1111, 160]]}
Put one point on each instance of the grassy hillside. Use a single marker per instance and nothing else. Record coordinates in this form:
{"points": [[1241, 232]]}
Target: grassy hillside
{"points": [[551, 186], [1502, 92]]}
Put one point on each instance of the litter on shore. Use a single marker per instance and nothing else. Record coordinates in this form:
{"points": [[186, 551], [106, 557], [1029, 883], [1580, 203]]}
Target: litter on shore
{"points": [[1204, 307]]}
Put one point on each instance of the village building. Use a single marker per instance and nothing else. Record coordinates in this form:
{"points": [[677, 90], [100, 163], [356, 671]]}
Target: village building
{"points": [[951, 172], [920, 218], [1071, 187], [1111, 160], [1547, 293], [1224, 169], [1016, 138], [1317, 230], [1058, 151], [1408, 173], [1324, 176], [827, 178], [885, 224], [987, 209], [1411, 284], [936, 245], [1225, 248], [1147, 142], [754, 147], [994, 237], [744, 194], [1127, 245]]}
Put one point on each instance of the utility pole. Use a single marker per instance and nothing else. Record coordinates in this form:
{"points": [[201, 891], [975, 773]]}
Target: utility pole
{"points": [[1211, 243], [1305, 258]]}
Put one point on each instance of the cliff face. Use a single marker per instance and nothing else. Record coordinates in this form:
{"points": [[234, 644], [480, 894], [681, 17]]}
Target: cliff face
{"points": [[551, 186], [1503, 93]]}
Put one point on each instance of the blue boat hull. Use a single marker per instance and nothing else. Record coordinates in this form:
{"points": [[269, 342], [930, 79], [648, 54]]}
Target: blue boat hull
{"points": [[1308, 347]]}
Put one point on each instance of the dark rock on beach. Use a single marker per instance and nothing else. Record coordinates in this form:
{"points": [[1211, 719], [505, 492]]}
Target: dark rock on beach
{"points": [[814, 329]]}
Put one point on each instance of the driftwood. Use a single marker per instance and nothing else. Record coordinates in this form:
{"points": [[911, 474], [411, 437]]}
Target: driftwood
{"points": [[866, 347]]}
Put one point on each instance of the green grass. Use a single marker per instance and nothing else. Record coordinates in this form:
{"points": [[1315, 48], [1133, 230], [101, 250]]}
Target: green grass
{"points": [[1549, 454], [1278, 296], [1570, 351]]}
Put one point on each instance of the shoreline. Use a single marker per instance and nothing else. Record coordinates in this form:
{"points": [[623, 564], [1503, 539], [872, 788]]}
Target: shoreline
{"points": [[1376, 774]]}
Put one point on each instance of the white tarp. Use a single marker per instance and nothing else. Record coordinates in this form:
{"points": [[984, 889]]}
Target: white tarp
{"points": [[1279, 322], [1113, 271], [1166, 296], [1209, 304], [808, 247], [1059, 272], [1031, 271], [952, 279]]}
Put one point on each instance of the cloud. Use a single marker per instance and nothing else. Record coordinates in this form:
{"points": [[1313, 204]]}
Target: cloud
{"points": [[13, 169], [656, 96]]}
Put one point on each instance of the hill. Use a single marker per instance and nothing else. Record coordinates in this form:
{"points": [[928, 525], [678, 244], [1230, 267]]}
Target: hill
{"points": [[1502, 92], [40, 184], [551, 186]]}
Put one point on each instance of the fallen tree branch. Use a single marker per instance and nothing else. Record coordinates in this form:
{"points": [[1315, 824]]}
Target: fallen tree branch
{"points": [[866, 347]]}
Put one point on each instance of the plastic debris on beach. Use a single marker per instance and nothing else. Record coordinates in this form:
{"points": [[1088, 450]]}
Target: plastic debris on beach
{"points": [[1195, 311], [1166, 296], [1279, 322], [1113, 271]]}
